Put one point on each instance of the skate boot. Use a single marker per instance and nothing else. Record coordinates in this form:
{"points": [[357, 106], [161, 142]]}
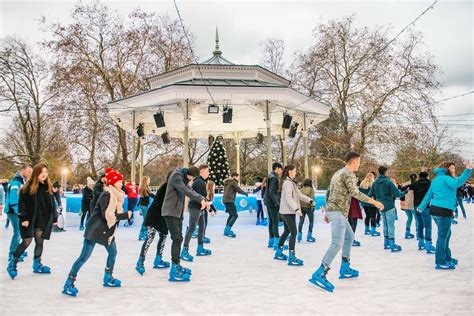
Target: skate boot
{"points": [[228, 232], [356, 243], [23, 256], [393, 246], [69, 288], [265, 222], [454, 221], [293, 261], [386, 243], [374, 232], [345, 272], [206, 240], [203, 252], [430, 249], [421, 244], [377, 225], [109, 280], [140, 267], [299, 237], [445, 266], [160, 264], [279, 255], [195, 234], [409, 235], [258, 222], [11, 269], [81, 228], [270, 243], [39, 268], [310, 237], [177, 275], [276, 240], [186, 256], [367, 230], [319, 279], [453, 261]]}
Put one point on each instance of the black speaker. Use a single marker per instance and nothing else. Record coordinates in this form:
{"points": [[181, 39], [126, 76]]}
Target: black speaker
{"points": [[140, 130], [286, 121], [159, 119], [259, 138], [166, 138], [227, 115], [293, 129]]}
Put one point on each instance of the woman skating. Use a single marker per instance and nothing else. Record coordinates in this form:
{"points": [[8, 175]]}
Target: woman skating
{"points": [[307, 209], [146, 197], [37, 215], [369, 209]]}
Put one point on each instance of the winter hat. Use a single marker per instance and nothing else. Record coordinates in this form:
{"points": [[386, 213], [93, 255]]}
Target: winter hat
{"points": [[112, 176], [90, 182]]}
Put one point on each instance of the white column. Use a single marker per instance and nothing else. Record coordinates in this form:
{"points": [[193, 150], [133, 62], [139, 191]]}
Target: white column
{"points": [[269, 136], [283, 149], [186, 135], [134, 148], [237, 151], [305, 147], [140, 173]]}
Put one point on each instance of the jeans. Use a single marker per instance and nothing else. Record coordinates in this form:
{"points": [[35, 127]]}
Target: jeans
{"points": [[461, 205], [443, 253], [144, 210], [232, 210], [424, 224], [85, 207], [388, 218], [175, 227], [310, 212], [195, 216], [86, 253], [14, 219], [290, 228], [409, 219], [273, 222], [342, 237]]}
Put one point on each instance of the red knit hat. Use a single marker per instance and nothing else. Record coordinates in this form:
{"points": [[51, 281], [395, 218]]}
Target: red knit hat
{"points": [[113, 176]]}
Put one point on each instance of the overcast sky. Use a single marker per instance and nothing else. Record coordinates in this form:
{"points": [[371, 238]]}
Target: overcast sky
{"points": [[243, 25]]}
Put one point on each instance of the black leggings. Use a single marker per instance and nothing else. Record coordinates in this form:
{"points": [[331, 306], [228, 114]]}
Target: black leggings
{"points": [[260, 210], [353, 223], [86, 205], [370, 215], [151, 232], [232, 210], [377, 216], [290, 228], [27, 241], [310, 212], [175, 227], [273, 222]]}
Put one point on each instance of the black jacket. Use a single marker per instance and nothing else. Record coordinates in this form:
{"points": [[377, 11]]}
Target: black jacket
{"points": [[199, 185], [97, 191], [420, 188], [231, 187], [153, 217], [145, 200], [87, 194], [97, 229], [28, 211], [272, 194]]}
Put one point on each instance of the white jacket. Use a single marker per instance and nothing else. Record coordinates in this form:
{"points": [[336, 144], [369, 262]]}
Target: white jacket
{"points": [[290, 197]]}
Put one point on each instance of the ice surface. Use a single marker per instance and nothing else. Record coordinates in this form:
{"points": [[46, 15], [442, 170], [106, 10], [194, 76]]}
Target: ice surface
{"points": [[241, 276]]}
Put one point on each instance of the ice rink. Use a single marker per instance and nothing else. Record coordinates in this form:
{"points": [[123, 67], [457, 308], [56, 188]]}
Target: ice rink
{"points": [[241, 276]]}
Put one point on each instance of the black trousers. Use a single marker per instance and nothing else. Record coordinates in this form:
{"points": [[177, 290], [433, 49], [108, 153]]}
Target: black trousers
{"points": [[175, 227], [260, 210], [310, 212], [289, 221], [273, 222], [86, 205], [232, 210], [195, 217], [370, 215], [353, 223]]}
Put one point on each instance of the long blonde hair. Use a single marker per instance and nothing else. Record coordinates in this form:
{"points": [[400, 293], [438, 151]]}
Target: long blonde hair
{"points": [[31, 185], [210, 190], [368, 181], [144, 189]]}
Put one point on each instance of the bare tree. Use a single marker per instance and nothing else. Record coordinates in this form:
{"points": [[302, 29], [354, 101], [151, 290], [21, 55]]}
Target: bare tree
{"points": [[273, 54]]}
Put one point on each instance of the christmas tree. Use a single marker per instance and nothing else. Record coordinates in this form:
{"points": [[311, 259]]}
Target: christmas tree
{"points": [[217, 161]]}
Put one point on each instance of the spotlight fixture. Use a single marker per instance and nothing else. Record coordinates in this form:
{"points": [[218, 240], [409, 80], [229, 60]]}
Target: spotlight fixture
{"points": [[141, 130], [293, 129], [210, 140], [166, 138], [259, 138], [159, 119], [286, 121], [213, 109], [227, 115]]}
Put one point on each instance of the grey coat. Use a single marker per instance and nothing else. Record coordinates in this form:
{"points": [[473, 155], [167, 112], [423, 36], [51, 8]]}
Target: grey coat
{"points": [[176, 190], [231, 188], [290, 197]]}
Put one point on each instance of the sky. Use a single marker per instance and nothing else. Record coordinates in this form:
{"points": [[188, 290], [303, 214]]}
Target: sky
{"points": [[447, 31]]}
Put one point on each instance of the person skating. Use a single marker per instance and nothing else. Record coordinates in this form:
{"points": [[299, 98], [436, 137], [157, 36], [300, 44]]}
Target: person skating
{"points": [[12, 196], [369, 209], [146, 197], [272, 201], [197, 216], [99, 188], [231, 188], [257, 190], [407, 206], [87, 195], [342, 187], [100, 229], [210, 189], [459, 200], [36, 214], [132, 198], [155, 222], [308, 210], [423, 222], [172, 211], [442, 196], [355, 213], [385, 191], [290, 207]]}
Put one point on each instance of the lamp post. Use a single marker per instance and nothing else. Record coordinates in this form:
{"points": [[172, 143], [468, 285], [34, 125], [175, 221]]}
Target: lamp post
{"points": [[316, 171], [64, 178]]}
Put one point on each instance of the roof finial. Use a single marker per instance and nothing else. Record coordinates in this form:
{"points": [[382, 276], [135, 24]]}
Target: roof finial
{"points": [[217, 50]]}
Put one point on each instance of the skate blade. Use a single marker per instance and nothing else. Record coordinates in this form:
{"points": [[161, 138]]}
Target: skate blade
{"points": [[296, 264], [203, 254], [348, 276], [111, 285], [280, 258], [322, 286], [179, 280], [161, 267]]}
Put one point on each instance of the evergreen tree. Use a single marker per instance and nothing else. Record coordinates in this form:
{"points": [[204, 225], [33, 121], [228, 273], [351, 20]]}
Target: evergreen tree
{"points": [[217, 161]]}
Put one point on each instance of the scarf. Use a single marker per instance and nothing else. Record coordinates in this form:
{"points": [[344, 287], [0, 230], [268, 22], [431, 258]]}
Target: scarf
{"points": [[115, 205]]}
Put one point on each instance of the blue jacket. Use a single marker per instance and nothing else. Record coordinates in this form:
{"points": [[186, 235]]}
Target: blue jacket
{"points": [[384, 191], [13, 193], [442, 192]]}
